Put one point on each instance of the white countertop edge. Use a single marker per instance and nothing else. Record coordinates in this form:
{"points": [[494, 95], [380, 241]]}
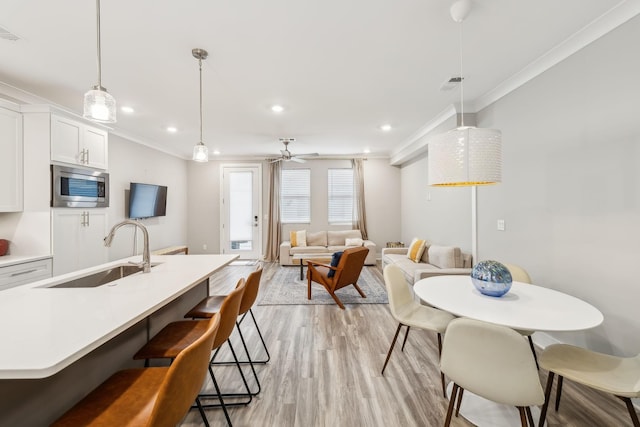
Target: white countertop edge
{"points": [[8, 260], [44, 372]]}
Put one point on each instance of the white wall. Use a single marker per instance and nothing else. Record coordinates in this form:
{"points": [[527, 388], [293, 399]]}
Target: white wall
{"points": [[570, 195], [441, 215], [382, 201], [130, 162]]}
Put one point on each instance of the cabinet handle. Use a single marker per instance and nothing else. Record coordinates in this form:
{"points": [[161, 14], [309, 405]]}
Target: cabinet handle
{"points": [[87, 162], [87, 224], [82, 157], [20, 273]]}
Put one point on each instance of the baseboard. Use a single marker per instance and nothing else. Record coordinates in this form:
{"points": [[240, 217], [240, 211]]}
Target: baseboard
{"points": [[543, 340]]}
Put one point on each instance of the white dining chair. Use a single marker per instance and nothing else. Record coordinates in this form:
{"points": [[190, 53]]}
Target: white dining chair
{"points": [[619, 376], [493, 362], [409, 312]]}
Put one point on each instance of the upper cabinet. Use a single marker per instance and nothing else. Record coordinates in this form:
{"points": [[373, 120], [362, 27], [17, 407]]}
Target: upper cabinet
{"points": [[77, 143], [11, 167]]}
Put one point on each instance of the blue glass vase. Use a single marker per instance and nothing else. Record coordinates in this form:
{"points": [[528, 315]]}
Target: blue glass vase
{"points": [[491, 278]]}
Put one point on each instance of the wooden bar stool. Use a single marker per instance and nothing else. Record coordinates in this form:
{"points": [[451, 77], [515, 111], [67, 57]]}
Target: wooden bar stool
{"points": [[148, 396], [173, 338], [211, 305]]}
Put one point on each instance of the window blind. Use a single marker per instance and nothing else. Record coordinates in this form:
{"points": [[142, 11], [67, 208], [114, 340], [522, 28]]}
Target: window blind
{"points": [[340, 199], [295, 196]]}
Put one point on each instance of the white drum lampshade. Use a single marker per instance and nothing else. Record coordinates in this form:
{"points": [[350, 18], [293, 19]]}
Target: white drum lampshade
{"points": [[466, 156]]}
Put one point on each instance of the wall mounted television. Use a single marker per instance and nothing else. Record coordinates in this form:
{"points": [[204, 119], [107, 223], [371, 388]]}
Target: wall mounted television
{"points": [[147, 200]]}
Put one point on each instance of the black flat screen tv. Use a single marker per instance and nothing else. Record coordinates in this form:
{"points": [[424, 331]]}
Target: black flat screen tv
{"points": [[147, 200]]}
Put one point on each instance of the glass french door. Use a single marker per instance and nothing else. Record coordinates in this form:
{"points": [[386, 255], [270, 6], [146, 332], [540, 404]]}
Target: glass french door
{"points": [[240, 211]]}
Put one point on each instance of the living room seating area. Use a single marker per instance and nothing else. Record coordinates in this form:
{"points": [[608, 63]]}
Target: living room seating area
{"points": [[324, 242], [427, 260]]}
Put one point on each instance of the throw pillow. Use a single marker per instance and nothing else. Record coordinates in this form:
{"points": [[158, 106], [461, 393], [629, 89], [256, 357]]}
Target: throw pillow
{"points": [[353, 242], [416, 248], [335, 259], [298, 238]]}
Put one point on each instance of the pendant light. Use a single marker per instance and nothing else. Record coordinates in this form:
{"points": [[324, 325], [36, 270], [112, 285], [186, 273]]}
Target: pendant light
{"points": [[200, 151], [99, 105], [467, 155]]}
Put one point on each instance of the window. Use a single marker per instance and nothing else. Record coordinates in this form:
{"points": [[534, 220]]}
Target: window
{"points": [[295, 196], [340, 196]]}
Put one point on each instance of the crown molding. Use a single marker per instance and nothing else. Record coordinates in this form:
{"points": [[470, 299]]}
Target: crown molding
{"points": [[602, 25], [417, 143]]}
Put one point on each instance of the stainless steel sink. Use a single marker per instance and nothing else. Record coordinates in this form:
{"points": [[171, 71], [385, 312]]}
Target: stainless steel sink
{"points": [[102, 277]]}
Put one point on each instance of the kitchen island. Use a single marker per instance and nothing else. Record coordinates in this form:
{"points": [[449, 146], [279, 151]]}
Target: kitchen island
{"points": [[59, 342]]}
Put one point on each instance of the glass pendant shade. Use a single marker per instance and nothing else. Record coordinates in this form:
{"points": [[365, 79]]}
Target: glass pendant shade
{"points": [[200, 153], [99, 105], [466, 156]]}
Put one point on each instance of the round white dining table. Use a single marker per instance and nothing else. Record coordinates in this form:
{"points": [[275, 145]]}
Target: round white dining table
{"points": [[525, 306]]}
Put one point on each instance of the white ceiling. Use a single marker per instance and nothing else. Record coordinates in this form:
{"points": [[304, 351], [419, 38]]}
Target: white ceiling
{"points": [[341, 68]]}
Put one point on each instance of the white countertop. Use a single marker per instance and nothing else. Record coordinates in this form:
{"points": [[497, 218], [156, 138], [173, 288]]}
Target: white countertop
{"points": [[43, 330]]}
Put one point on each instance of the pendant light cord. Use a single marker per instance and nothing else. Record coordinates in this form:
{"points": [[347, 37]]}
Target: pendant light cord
{"points": [[200, 65], [461, 80], [98, 38]]}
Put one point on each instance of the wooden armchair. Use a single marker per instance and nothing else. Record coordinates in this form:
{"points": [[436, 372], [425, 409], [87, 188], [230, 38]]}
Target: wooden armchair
{"points": [[346, 273]]}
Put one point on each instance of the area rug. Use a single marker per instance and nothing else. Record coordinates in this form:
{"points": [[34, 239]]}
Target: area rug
{"points": [[286, 288]]}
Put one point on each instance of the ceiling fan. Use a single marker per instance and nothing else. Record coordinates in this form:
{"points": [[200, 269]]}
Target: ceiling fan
{"points": [[287, 156]]}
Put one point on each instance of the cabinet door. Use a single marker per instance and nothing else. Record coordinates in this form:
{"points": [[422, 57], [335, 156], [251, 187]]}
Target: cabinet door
{"points": [[77, 239], [91, 245], [10, 161], [96, 148], [66, 140]]}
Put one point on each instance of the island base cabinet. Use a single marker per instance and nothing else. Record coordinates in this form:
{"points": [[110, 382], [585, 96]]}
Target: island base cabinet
{"points": [[78, 239]]}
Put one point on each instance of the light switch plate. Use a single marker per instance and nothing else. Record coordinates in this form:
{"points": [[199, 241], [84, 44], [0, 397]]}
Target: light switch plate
{"points": [[501, 225]]}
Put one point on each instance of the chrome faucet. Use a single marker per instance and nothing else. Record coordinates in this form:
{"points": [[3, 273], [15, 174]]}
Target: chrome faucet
{"points": [[146, 257]]}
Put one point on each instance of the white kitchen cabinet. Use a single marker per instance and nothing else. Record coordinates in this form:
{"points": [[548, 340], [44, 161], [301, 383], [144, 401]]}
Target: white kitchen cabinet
{"points": [[24, 272], [78, 239], [77, 143], [11, 167]]}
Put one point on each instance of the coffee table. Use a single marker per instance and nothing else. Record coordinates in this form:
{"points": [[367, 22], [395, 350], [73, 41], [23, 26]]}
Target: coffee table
{"points": [[324, 258]]}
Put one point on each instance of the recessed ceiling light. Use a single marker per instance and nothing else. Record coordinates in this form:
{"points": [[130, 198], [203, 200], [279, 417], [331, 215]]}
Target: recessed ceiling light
{"points": [[385, 128], [126, 109], [277, 108], [366, 151], [216, 152], [172, 129]]}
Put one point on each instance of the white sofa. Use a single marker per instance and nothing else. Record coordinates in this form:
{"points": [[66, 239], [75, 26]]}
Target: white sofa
{"points": [[322, 242], [436, 261]]}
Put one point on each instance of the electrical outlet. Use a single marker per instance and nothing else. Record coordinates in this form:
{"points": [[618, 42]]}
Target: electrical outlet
{"points": [[501, 225], [204, 247]]}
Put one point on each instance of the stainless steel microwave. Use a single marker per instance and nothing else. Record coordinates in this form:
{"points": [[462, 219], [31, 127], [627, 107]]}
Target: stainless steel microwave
{"points": [[79, 187]]}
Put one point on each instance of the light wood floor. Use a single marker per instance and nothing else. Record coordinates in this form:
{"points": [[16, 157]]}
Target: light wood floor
{"points": [[325, 371]]}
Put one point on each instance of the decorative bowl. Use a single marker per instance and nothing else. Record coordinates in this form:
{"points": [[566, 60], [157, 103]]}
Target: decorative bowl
{"points": [[491, 278]]}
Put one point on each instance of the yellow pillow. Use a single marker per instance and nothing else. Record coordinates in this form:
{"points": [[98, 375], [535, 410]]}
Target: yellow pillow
{"points": [[416, 249], [298, 238]]}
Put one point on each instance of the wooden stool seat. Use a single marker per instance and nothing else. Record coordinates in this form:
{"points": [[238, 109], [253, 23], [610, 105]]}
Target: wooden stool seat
{"points": [[125, 399], [207, 307], [172, 339]]}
